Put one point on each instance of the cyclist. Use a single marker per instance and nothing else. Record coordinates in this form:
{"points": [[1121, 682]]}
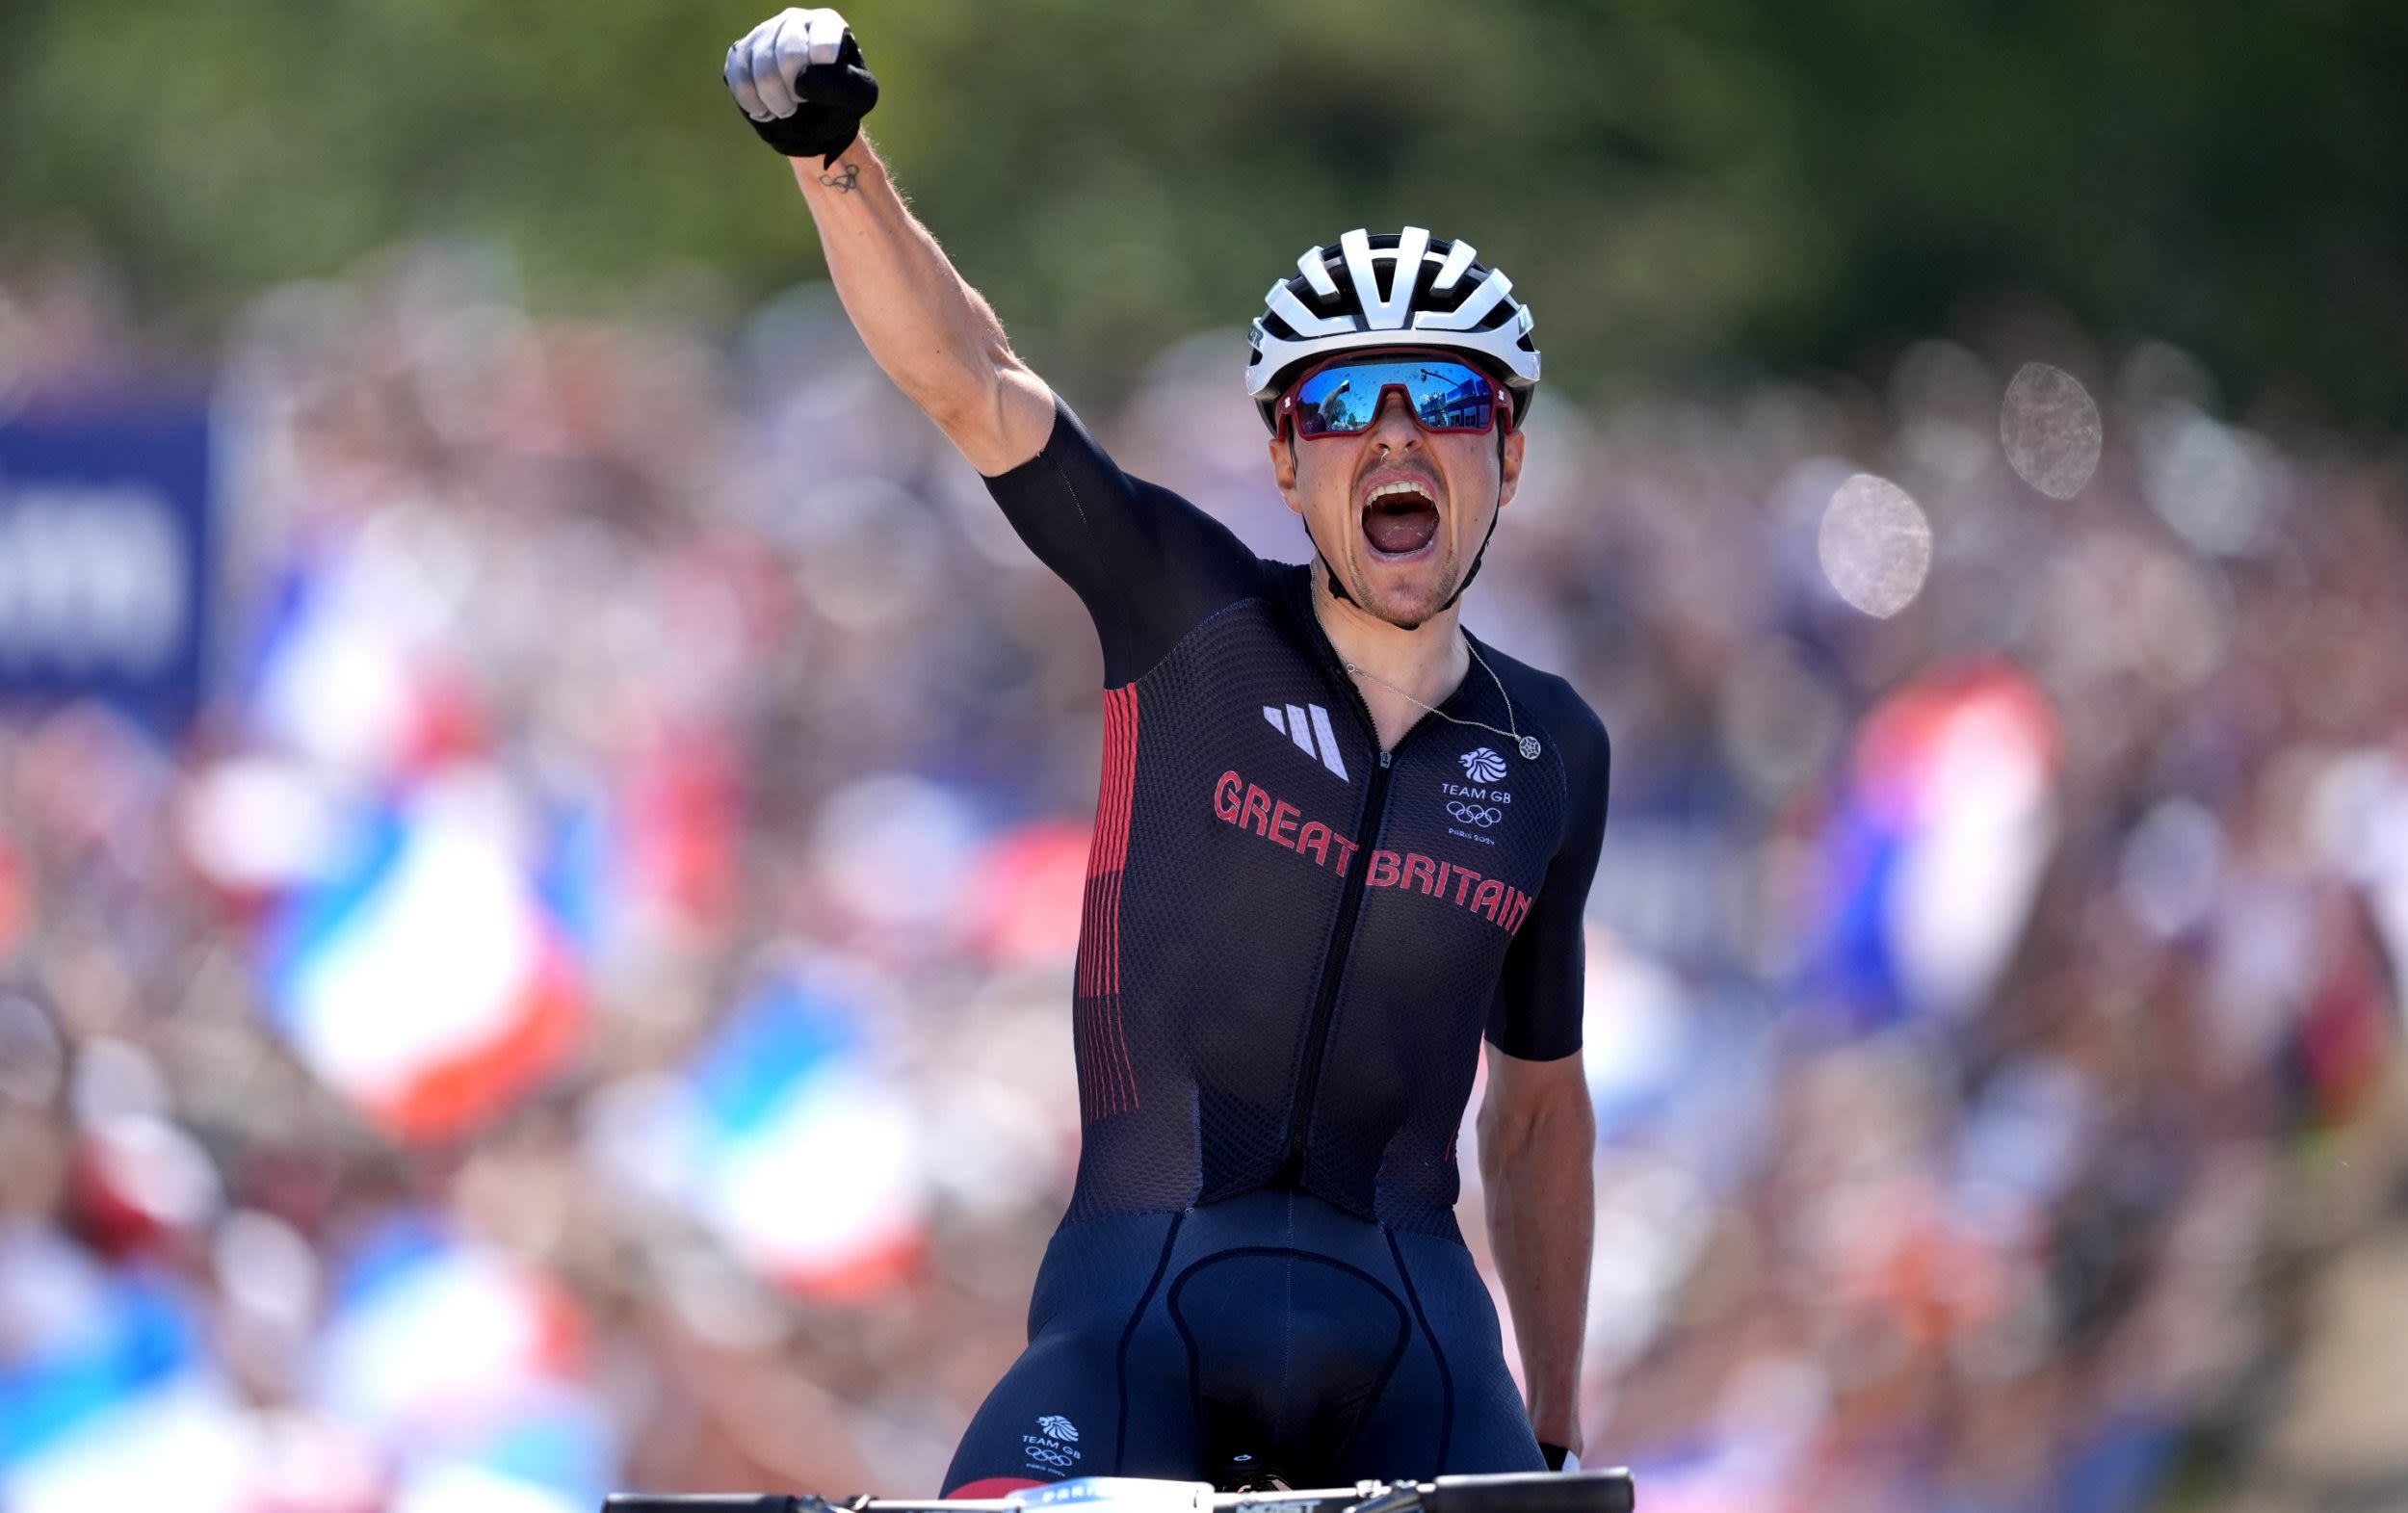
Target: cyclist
{"points": [[1339, 842]]}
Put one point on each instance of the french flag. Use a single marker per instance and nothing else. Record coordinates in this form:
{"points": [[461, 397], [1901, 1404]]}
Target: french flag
{"points": [[429, 1333], [466, 1366], [808, 1166], [425, 979], [107, 1395], [1933, 855]]}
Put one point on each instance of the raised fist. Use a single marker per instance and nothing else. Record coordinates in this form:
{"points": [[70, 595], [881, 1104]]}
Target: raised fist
{"points": [[798, 78]]}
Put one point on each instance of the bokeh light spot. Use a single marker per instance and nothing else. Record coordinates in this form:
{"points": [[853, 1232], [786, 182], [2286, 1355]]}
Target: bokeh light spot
{"points": [[2211, 481], [1875, 545], [2050, 426]]}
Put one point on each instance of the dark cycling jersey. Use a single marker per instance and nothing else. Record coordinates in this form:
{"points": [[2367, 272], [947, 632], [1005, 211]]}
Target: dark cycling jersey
{"points": [[1293, 941]]}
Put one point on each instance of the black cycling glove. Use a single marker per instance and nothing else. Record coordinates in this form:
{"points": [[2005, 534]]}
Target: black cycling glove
{"points": [[834, 98]]}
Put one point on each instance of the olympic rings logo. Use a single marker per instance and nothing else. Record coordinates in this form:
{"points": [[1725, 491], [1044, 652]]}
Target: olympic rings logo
{"points": [[1051, 1457], [1473, 814]]}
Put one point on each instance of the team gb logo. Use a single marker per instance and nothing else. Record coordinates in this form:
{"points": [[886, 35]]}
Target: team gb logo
{"points": [[1483, 766], [1058, 1427]]}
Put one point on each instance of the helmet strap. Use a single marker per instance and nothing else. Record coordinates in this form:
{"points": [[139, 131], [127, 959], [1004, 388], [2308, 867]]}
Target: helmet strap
{"points": [[1478, 557], [1336, 590], [1482, 555]]}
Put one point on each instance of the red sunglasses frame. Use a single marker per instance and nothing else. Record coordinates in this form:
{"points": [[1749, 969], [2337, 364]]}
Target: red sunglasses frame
{"points": [[1501, 397]]}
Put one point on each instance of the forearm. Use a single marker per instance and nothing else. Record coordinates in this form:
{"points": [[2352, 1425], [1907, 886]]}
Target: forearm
{"points": [[1541, 1227], [932, 334]]}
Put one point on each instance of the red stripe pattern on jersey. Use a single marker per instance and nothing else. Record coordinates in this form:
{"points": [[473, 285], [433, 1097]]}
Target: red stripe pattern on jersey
{"points": [[1107, 1084]]}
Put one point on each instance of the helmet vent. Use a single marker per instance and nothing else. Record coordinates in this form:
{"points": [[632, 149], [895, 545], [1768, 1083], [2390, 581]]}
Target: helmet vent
{"points": [[1371, 290]]}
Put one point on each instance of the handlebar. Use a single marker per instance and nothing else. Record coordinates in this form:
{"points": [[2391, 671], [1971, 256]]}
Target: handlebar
{"points": [[1519, 1492]]}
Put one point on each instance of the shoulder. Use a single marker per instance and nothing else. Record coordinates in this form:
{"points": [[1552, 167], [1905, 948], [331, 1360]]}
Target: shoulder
{"points": [[1567, 720], [1072, 462], [1575, 743], [1067, 442]]}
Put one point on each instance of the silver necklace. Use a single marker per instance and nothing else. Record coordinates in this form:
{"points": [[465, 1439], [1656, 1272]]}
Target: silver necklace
{"points": [[1528, 746]]}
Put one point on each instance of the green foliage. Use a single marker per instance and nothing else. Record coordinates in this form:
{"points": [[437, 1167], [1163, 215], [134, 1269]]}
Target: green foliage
{"points": [[1675, 183]]}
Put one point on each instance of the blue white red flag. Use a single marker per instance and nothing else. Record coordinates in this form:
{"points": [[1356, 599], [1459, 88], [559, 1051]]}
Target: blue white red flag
{"points": [[808, 1167], [108, 1396], [426, 979]]}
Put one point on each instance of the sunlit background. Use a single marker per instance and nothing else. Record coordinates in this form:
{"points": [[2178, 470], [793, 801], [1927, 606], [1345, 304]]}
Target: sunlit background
{"points": [[543, 810]]}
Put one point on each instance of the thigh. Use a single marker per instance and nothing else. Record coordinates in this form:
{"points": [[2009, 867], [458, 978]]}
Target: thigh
{"points": [[1451, 1408], [1067, 1408], [1103, 1387]]}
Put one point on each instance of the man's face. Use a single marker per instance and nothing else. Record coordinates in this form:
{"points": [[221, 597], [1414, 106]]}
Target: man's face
{"points": [[1400, 512]]}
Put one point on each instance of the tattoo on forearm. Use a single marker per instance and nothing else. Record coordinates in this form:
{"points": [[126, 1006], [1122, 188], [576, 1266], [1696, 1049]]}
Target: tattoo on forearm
{"points": [[846, 181]]}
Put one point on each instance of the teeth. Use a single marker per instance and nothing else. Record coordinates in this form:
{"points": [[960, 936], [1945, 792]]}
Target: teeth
{"points": [[1397, 487]]}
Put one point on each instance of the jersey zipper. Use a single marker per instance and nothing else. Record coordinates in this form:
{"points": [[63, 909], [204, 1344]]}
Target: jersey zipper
{"points": [[1334, 967]]}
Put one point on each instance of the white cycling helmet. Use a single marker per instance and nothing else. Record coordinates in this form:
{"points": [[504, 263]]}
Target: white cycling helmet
{"points": [[1407, 289]]}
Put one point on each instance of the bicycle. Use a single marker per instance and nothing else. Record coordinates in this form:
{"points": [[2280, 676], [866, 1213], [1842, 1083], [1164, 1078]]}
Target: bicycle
{"points": [[1521, 1492]]}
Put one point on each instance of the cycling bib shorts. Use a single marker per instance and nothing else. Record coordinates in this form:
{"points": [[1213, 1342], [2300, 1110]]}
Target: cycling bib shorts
{"points": [[1272, 1324]]}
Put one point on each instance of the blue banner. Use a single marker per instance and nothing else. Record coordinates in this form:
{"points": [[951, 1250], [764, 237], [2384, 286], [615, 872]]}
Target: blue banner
{"points": [[105, 550]]}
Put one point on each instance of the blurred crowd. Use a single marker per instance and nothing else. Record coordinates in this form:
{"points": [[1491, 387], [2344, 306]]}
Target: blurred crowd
{"points": [[585, 1002]]}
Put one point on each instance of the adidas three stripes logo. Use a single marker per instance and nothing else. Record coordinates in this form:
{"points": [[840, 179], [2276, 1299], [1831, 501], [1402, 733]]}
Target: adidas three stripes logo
{"points": [[1309, 732]]}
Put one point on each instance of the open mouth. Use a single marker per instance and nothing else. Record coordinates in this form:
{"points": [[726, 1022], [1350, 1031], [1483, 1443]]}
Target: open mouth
{"points": [[1400, 520]]}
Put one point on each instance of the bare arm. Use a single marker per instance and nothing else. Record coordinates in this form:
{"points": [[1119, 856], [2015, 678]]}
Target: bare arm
{"points": [[934, 335], [1537, 1149]]}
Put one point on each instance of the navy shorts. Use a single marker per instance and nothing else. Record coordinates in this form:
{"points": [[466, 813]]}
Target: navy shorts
{"points": [[1272, 1324]]}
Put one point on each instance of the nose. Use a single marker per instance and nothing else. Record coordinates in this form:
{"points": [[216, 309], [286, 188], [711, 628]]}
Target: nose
{"points": [[1394, 426]]}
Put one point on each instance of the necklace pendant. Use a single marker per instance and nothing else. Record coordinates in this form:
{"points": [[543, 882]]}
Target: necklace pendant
{"points": [[1529, 748]]}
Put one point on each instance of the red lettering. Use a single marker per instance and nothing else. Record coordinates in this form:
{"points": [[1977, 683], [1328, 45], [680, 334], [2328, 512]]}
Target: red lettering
{"points": [[1238, 802], [1442, 880], [1283, 821], [1517, 908], [1257, 816], [1464, 878], [1484, 902], [1420, 871], [1344, 856]]}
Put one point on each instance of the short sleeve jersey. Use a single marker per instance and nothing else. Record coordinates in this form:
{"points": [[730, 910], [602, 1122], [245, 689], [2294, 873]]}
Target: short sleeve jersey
{"points": [[1293, 943]]}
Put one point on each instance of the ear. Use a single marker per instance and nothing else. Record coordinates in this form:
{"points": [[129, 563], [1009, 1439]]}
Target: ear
{"points": [[1283, 468], [1510, 467]]}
